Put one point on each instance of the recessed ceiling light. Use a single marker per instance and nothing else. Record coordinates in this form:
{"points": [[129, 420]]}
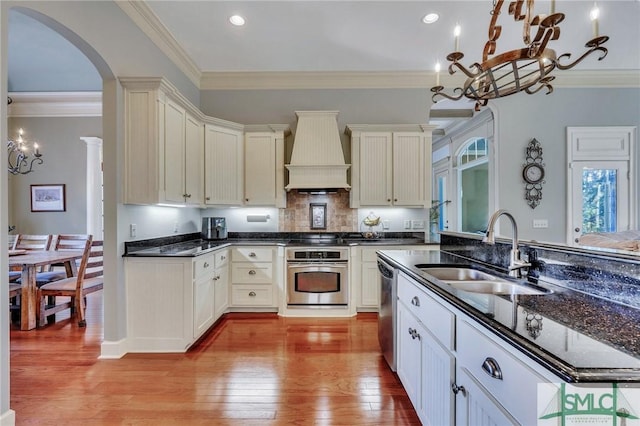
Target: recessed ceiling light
{"points": [[237, 20], [430, 18]]}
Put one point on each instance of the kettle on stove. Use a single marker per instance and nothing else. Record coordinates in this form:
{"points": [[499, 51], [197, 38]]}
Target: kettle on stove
{"points": [[214, 228]]}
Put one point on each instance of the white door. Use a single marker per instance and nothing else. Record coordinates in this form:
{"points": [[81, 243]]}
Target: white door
{"points": [[600, 180], [599, 197]]}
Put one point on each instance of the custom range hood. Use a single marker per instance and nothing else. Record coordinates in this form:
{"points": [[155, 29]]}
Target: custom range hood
{"points": [[317, 160]]}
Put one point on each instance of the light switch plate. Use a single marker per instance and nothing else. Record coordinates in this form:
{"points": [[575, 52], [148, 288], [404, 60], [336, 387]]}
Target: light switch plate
{"points": [[386, 224], [132, 230], [540, 223]]}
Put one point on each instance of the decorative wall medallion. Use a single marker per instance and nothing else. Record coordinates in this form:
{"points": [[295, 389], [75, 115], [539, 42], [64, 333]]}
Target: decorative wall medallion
{"points": [[533, 174]]}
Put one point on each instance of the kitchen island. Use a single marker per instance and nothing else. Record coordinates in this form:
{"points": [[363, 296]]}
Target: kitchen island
{"points": [[487, 354]]}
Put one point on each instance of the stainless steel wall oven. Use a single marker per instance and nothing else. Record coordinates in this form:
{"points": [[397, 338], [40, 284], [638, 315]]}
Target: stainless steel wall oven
{"points": [[317, 277]]}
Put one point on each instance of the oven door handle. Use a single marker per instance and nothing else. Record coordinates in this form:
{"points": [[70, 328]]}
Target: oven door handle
{"points": [[292, 265]]}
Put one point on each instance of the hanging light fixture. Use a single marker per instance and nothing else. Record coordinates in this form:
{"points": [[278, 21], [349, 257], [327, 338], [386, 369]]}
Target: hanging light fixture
{"points": [[20, 162], [521, 70]]}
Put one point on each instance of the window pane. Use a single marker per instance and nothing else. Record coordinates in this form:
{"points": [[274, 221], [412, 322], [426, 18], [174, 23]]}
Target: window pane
{"points": [[474, 201], [599, 195]]}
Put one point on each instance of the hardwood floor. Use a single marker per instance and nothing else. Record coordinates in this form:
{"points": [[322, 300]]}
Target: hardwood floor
{"points": [[249, 370]]}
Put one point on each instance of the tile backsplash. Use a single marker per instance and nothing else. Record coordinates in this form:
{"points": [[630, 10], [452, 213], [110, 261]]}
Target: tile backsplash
{"points": [[339, 217]]}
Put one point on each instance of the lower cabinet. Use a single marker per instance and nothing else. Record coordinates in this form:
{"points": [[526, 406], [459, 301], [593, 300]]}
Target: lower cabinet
{"points": [[203, 295], [426, 367], [221, 283], [482, 382]]}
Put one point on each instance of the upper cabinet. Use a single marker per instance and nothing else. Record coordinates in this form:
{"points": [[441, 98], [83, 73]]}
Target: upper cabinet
{"points": [[164, 140], [391, 165], [264, 165], [223, 152], [176, 155]]}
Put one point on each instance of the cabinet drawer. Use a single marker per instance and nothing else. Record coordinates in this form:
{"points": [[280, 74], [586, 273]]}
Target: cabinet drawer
{"points": [[247, 295], [252, 254], [438, 319], [252, 273], [518, 386], [203, 265], [222, 258]]}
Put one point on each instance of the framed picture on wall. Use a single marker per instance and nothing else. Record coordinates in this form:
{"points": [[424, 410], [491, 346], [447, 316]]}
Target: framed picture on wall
{"points": [[318, 215], [48, 198]]}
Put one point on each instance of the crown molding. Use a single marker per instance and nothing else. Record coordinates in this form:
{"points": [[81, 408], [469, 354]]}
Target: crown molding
{"points": [[393, 80], [55, 104], [150, 24]]}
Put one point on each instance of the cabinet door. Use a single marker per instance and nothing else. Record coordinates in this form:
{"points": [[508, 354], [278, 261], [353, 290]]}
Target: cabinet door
{"points": [[174, 144], [375, 168], [194, 161], [223, 166], [221, 292], [475, 407], [409, 169], [203, 303], [410, 355], [260, 169], [370, 285], [438, 370]]}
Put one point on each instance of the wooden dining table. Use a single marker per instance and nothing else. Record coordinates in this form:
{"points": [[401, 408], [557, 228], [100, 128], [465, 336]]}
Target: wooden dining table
{"points": [[30, 261]]}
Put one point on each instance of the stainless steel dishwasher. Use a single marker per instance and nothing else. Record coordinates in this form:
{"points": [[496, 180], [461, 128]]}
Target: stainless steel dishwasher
{"points": [[387, 313]]}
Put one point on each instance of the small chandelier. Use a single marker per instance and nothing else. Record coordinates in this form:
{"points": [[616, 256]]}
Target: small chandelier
{"points": [[522, 70], [20, 163]]}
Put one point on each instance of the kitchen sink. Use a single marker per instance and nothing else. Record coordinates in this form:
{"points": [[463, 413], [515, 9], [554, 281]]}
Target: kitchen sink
{"points": [[472, 280]]}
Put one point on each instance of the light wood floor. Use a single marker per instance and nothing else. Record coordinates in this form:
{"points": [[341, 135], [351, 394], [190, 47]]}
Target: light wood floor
{"points": [[249, 370]]}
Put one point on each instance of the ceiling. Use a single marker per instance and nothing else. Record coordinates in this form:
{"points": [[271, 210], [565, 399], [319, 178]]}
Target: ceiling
{"points": [[344, 38]]}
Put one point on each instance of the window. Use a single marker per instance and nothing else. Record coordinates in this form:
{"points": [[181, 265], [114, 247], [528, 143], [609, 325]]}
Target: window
{"points": [[473, 186]]}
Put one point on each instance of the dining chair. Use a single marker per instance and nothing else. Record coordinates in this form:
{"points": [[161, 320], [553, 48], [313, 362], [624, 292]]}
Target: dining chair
{"points": [[28, 242], [64, 242], [89, 280]]}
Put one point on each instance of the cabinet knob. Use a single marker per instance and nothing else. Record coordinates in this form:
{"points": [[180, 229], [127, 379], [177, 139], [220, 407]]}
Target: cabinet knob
{"points": [[252, 272], [187, 195], [395, 200], [252, 254], [223, 257], [455, 389], [252, 294], [415, 301], [388, 200], [206, 265], [207, 198], [246, 199], [491, 367]]}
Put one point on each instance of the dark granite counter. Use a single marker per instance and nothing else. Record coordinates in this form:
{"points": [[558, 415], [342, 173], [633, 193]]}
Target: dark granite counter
{"points": [[580, 337], [190, 245]]}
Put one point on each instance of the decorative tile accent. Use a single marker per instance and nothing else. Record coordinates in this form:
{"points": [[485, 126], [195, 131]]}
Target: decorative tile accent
{"points": [[340, 217]]}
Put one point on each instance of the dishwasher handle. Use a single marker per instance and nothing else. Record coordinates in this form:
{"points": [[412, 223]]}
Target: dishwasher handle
{"points": [[385, 270]]}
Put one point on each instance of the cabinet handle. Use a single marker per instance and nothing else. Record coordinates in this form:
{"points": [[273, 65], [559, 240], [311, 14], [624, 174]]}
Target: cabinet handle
{"points": [[187, 195], [455, 389], [223, 257], [395, 200], [415, 301], [246, 199], [252, 272], [252, 294], [414, 334], [252, 254], [207, 198], [388, 200], [491, 367], [206, 265]]}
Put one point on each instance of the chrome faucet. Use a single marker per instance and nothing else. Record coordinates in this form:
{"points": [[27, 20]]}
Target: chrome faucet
{"points": [[515, 263]]}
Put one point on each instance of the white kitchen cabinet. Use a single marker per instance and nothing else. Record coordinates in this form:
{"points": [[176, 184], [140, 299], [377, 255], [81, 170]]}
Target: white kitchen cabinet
{"points": [[221, 283], [253, 278], [426, 363], [203, 294], [264, 166], [223, 153], [391, 165], [365, 278], [163, 145]]}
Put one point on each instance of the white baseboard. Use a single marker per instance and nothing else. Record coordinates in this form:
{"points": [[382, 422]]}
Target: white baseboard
{"points": [[113, 350], [8, 418]]}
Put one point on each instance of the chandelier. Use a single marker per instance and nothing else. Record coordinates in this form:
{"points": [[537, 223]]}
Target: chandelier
{"points": [[521, 70], [20, 162]]}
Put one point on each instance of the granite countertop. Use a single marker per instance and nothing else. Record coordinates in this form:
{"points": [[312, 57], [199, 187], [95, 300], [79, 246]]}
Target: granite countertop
{"points": [[577, 336], [190, 245]]}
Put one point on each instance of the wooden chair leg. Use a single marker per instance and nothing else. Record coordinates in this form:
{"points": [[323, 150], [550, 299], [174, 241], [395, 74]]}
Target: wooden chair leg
{"points": [[51, 301], [80, 311]]}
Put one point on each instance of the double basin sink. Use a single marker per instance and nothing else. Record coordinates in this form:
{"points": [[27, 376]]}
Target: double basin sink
{"points": [[475, 281]]}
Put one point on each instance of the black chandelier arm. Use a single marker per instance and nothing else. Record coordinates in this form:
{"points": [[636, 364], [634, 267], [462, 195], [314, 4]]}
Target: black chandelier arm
{"points": [[593, 45], [17, 169]]}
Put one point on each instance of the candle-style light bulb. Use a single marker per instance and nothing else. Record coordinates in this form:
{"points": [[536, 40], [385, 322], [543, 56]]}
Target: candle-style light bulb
{"points": [[437, 73], [456, 35], [594, 14], [36, 148]]}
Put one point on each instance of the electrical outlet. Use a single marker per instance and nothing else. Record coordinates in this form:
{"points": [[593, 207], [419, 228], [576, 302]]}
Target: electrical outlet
{"points": [[417, 224], [132, 230], [407, 224], [385, 224], [540, 223]]}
